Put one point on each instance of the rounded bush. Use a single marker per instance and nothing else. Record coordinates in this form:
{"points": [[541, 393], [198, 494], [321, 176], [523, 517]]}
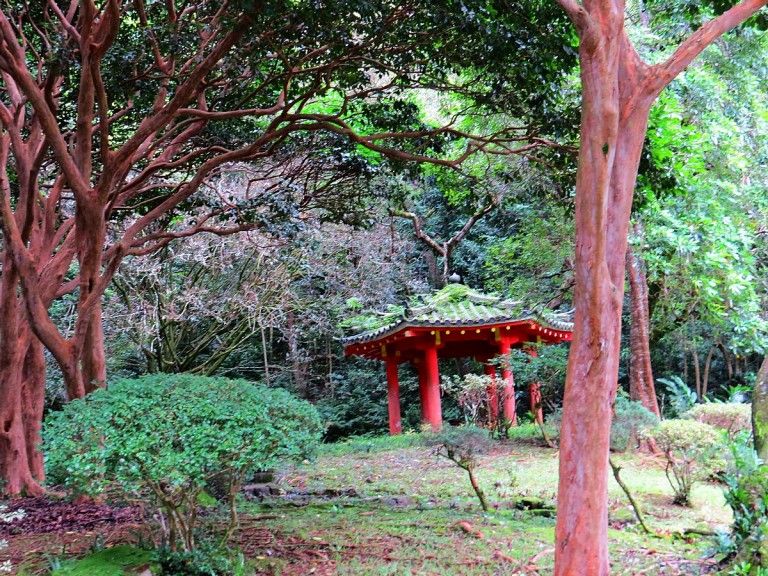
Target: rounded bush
{"points": [[170, 434], [693, 451], [731, 417]]}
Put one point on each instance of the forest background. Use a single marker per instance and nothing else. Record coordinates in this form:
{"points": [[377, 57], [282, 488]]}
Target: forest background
{"points": [[272, 303]]}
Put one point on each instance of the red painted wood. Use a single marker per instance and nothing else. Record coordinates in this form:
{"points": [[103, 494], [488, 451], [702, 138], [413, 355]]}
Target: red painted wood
{"points": [[393, 397], [458, 342], [422, 345], [432, 410]]}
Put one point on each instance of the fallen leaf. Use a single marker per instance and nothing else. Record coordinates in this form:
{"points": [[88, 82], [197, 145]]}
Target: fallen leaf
{"points": [[469, 529]]}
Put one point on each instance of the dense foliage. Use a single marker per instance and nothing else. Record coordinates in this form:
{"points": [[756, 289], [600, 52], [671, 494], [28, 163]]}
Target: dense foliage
{"points": [[166, 436], [747, 495], [630, 422]]}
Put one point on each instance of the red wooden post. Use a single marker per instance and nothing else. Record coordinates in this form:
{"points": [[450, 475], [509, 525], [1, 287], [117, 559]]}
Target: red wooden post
{"points": [[393, 397], [493, 395], [432, 410], [509, 386]]}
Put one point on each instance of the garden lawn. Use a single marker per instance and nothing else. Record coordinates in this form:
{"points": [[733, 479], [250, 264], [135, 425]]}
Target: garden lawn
{"points": [[404, 511]]}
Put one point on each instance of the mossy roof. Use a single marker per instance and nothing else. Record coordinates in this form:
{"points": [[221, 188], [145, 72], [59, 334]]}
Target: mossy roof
{"points": [[454, 305]]}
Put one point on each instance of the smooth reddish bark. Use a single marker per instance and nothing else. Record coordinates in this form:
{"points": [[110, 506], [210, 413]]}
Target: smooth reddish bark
{"points": [[20, 463], [537, 411], [617, 92], [641, 383], [509, 409]]}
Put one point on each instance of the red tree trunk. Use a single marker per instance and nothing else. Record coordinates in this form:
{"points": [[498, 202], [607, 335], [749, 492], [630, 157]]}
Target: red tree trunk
{"points": [[33, 402], [593, 361], [94, 364], [613, 127], [641, 385], [18, 466], [617, 92]]}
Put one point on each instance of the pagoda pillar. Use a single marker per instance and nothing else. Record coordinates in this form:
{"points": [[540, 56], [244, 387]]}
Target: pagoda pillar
{"points": [[431, 409], [510, 415], [493, 394], [393, 397]]}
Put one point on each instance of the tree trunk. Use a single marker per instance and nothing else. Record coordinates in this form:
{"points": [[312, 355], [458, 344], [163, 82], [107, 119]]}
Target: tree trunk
{"points": [[18, 467], [618, 89], [94, 364], [33, 402], [641, 384], [727, 360], [760, 411], [696, 371], [433, 273], [476, 487], [707, 368], [613, 127], [298, 366], [88, 357], [264, 353]]}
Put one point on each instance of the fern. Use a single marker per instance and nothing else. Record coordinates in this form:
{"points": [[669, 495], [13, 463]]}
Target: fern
{"points": [[681, 397]]}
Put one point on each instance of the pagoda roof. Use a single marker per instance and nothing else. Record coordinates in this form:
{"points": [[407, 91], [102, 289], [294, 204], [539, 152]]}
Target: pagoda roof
{"points": [[455, 305]]}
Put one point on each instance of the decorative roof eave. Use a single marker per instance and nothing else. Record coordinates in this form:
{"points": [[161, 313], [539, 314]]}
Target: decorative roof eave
{"points": [[399, 326]]}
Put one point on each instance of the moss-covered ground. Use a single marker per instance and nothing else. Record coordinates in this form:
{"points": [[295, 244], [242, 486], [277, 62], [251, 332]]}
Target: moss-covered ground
{"points": [[116, 561]]}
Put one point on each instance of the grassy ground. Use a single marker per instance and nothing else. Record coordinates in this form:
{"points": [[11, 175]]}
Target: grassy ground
{"points": [[389, 506], [115, 561], [407, 512]]}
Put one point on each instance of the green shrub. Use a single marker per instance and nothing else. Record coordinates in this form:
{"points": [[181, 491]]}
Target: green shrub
{"points": [[630, 421], [471, 393], [747, 495], [203, 561], [692, 451], [167, 435], [731, 417]]}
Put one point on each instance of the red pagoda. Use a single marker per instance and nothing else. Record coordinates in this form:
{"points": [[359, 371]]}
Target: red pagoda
{"points": [[454, 322]]}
